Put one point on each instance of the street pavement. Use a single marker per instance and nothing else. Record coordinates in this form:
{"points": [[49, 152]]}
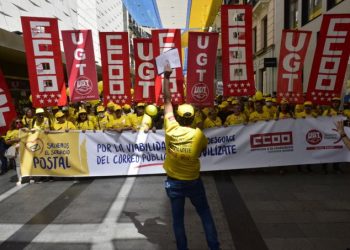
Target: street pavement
{"points": [[252, 209]]}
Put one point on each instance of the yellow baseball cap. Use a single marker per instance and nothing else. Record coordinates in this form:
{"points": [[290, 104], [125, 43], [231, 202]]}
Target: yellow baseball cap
{"points": [[59, 114], [117, 107], [140, 104], [81, 111], [274, 100], [235, 102], [54, 107], [110, 105], [336, 99], [100, 109], [307, 103], [284, 101], [185, 110], [268, 99], [39, 111], [151, 110], [126, 106]]}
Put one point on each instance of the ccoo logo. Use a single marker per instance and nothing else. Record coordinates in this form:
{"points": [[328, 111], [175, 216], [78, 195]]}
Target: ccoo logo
{"points": [[200, 92]]}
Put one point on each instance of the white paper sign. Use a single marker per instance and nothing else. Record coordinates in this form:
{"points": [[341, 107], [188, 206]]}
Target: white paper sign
{"points": [[170, 57]]}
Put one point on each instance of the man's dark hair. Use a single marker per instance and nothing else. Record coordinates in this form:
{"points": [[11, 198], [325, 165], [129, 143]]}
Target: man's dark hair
{"points": [[185, 121]]}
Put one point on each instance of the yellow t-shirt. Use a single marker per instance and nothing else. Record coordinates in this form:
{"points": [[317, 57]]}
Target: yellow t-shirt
{"points": [[63, 126], [346, 113], [255, 116], [45, 125], [27, 122], [271, 110], [209, 123], [183, 148], [86, 125], [235, 119], [283, 115], [119, 123], [11, 134], [331, 112], [102, 123], [110, 116], [304, 115]]}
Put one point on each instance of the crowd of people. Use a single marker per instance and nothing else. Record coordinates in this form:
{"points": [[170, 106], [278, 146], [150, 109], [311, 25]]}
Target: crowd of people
{"points": [[140, 116]]}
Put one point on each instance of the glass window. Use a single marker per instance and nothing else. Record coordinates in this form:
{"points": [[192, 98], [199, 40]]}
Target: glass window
{"points": [[254, 40], [264, 32], [291, 14], [332, 3], [314, 9]]}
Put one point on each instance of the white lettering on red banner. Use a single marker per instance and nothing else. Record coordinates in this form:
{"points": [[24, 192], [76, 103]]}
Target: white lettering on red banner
{"points": [[144, 71], [115, 67], [80, 59], [294, 45], [330, 60], [7, 108], [237, 57], [164, 40], [41, 40], [202, 49]]}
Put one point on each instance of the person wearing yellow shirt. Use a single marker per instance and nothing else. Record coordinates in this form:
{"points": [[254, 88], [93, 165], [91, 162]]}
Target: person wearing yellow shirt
{"points": [[40, 122], [102, 121], [307, 111], [199, 118], [83, 123], [110, 111], [61, 122], [27, 119], [269, 107], [11, 136], [238, 117], [284, 111], [182, 166], [259, 114], [334, 109], [136, 119], [213, 120], [120, 122]]}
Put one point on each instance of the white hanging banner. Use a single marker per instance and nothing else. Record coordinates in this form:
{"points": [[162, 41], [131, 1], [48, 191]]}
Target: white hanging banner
{"points": [[263, 144]]}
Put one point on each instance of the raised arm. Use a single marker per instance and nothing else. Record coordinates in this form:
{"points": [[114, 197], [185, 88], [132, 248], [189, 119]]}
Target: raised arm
{"points": [[340, 129], [168, 107]]}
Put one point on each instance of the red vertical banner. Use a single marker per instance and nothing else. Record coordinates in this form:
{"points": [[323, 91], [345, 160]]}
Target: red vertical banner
{"points": [[202, 48], [7, 109], [164, 40], [144, 71], [42, 44], [237, 51], [115, 67], [294, 45], [330, 59], [80, 61]]}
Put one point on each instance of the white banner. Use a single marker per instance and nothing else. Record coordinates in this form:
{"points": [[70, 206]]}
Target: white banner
{"points": [[263, 144]]}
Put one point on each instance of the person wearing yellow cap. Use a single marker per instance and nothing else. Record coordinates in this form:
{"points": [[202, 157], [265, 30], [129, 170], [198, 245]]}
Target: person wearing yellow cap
{"points": [[150, 118], [199, 118], [307, 111], [110, 111], [238, 117], [182, 166], [27, 119], [269, 107], [83, 123], [284, 111], [136, 119], [62, 123], [249, 107], [212, 120], [346, 109], [334, 109], [40, 122], [102, 121], [259, 114], [120, 122]]}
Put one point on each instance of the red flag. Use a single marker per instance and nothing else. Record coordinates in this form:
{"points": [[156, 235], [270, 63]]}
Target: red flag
{"points": [[237, 52], [202, 47], [294, 45], [115, 67], [7, 109], [80, 60], [144, 70], [42, 44], [330, 60], [164, 40]]}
